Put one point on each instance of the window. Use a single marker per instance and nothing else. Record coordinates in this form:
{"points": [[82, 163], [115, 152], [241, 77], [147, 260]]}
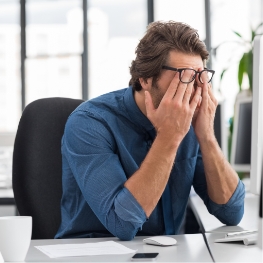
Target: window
{"points": [[53, 31], [115, 27], [191, 12], [10, 98]]}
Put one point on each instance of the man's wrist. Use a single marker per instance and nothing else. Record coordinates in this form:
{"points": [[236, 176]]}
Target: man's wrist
{"points": [[167, 141], [208, 139]]}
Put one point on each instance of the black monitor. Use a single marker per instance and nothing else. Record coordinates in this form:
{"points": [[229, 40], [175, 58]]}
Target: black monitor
{"points": [[241, 140]]}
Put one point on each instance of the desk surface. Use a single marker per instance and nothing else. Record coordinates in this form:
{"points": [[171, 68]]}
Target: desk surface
{"points": [[189, 248], [213, 225], [234, 251]]}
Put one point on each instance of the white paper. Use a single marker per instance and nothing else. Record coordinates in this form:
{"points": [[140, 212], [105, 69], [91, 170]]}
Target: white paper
{"points": [[86, 249]]}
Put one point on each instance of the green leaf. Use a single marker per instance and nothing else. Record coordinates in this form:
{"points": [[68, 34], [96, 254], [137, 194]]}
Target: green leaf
{"points": [[222, 73], [249, 67], [241, 70], [245, 67], [231, 124], [253, 34], [237, 34]]}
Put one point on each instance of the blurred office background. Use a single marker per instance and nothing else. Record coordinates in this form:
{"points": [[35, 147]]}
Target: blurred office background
{"points": [[83, 48]]}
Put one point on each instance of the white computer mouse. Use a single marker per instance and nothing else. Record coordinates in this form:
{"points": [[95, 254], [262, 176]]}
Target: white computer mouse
{"points": [[160, 241]]}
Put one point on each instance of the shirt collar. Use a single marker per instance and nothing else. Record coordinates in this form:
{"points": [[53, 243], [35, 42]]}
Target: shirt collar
{"points": [[134, 112]]}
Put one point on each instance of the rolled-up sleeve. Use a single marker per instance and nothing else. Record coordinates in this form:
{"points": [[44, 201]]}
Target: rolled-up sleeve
{"points": [[91, 152], [230, 213]]}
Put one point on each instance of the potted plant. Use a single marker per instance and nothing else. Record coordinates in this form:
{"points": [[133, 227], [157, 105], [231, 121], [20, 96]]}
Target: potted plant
{"points": [[245, 70], [245, 64]]}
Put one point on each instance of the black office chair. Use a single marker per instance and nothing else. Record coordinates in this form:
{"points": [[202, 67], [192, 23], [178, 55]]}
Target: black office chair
{"points": [[37, 163]]}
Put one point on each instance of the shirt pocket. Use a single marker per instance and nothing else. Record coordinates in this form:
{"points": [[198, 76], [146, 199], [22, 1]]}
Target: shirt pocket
{"points": [[182, 175]]}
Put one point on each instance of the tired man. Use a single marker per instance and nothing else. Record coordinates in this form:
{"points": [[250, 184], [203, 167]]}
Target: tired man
{"points": [[131, 156]]}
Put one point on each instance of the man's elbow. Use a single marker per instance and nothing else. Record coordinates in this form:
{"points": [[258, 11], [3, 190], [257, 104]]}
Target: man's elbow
{"points": [[233, 218], [126, 233], [124, 230], [234, 221], [125, 236]]}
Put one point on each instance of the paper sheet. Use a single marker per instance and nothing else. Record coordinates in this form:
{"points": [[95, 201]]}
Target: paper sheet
{"points": [[86, 249]]}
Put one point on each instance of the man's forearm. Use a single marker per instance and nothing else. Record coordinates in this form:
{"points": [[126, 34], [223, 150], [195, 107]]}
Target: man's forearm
{"points": [[221, 178], [148, 182]]}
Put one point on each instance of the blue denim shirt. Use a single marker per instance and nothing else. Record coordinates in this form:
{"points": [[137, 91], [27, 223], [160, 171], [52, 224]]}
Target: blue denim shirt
{"points": [[104, 143]]}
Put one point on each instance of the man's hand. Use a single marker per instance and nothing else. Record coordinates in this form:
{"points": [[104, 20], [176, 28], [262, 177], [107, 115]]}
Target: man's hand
{"points": [[221, 178], [172, 118], [203, 120]]}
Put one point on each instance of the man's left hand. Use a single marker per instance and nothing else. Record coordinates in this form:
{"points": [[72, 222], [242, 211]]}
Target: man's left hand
{"points": [[203, 119]]}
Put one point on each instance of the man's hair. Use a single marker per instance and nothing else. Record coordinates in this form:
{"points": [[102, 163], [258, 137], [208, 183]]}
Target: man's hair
{"points": [[153, 49]]}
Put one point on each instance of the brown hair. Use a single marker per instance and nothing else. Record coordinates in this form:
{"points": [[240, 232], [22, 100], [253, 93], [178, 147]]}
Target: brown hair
{"points": [[153, 49]]}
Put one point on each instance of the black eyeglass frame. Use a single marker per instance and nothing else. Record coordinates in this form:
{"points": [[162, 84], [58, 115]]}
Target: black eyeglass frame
{"points": [[180, 70]]}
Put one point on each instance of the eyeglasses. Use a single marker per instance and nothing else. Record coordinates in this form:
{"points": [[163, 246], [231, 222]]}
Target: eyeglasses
{"points": [[205, 75]]}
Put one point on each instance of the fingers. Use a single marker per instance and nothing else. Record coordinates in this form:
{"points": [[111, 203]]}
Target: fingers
{"points": [[184, 90], [212, 96], [172, 87], [179, 91], [208, 95], [204, 76], [196, 99], [208, 100], [205, 86]]}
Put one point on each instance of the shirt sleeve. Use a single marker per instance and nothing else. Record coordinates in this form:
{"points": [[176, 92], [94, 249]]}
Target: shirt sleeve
{"points": [[230, 213], [91, 151]]}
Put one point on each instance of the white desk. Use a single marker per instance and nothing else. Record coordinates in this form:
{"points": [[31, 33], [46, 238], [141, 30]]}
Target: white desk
{"points": [[211, 224], [189, 248], [213, 228], [233, 252]]}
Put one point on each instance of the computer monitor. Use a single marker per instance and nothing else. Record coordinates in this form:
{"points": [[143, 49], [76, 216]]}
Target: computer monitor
{"points": [[256, 172], [257, 117], [241, 140]]}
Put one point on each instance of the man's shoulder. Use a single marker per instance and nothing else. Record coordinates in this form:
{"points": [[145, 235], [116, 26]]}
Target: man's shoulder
{"points": [[103, 103]]}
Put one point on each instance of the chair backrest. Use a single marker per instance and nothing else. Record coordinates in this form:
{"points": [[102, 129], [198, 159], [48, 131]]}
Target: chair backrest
{"points": [[37, 163]]}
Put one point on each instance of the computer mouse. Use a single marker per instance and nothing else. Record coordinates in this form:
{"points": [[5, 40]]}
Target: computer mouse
{"points": [[160, 241]]}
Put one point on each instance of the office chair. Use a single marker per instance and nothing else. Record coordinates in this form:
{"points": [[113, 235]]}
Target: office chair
{"points": [[37, 163]]}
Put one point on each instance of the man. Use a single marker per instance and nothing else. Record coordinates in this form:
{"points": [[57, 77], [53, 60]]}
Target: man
{"points": [[131, 156]]}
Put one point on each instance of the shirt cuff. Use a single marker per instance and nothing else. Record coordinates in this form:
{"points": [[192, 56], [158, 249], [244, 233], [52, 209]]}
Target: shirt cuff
{"points": [[232, 212], [128, 209]]}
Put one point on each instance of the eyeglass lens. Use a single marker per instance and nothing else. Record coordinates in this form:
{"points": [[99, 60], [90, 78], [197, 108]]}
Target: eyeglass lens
{"points": [[188, 75], [205, 76]]}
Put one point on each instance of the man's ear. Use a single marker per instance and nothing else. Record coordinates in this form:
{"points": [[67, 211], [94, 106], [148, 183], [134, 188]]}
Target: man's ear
{"points": [[146, 83]]}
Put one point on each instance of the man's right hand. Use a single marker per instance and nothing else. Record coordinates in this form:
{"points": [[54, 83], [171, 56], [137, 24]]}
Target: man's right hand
{"points": [[172, 118]]}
